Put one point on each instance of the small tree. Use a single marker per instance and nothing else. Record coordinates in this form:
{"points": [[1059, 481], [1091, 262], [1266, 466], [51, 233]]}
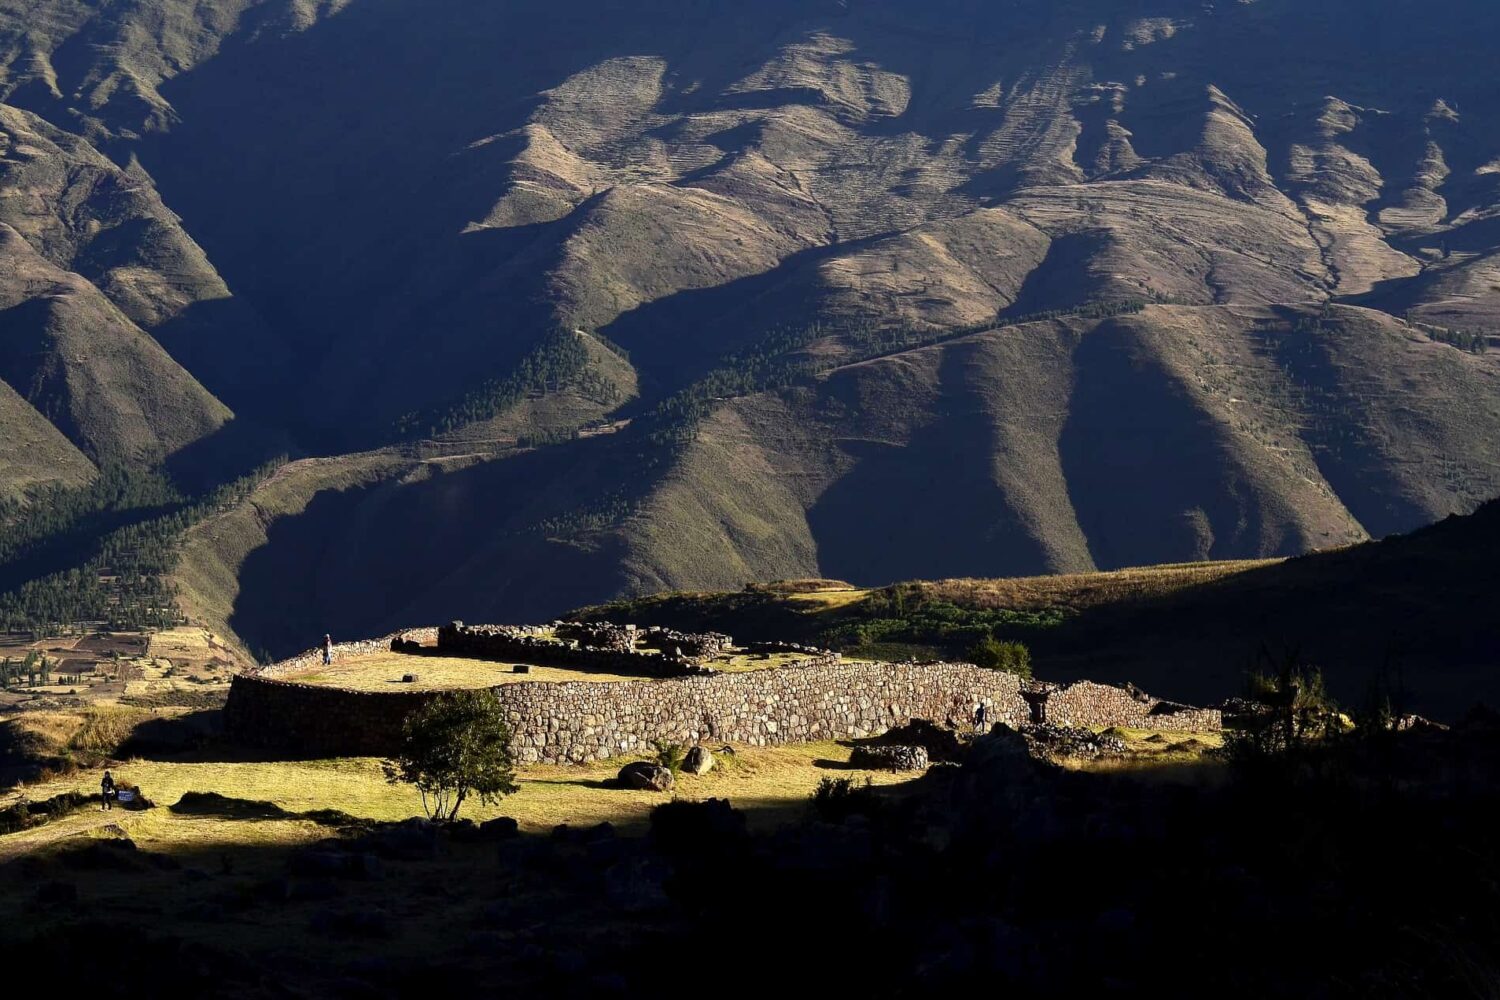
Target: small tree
{"points": [[455, 746], [1011, 657]]}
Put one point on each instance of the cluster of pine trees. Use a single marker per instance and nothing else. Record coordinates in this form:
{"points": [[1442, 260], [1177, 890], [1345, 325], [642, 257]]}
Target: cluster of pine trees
{"points": [[122, 582], [559, 360]]}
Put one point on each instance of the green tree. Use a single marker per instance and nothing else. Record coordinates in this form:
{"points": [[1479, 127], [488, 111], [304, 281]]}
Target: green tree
{"points": [[1010, 657], [455, 746]]}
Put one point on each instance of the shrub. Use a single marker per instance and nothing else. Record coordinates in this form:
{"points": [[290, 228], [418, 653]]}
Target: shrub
{"points": [[15, 818], [1292, 708], [1010, 657], [454, 746], [670, 755], [838, 798]]}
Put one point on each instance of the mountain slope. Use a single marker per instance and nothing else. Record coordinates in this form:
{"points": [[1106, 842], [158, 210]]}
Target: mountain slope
{"points": [[1412, 612], [79, 360], [832, 239]]}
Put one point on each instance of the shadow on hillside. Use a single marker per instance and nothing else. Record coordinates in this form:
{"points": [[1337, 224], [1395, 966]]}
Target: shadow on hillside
{"points": [[174, 736], [226, 807], [576, 782]]}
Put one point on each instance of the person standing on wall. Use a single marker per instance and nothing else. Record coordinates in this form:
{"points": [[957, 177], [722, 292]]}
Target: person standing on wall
{"points": [[327, 649]]}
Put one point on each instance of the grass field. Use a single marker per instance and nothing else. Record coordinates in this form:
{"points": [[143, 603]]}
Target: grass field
{"points": [[772, 784], [382, 671], [1078, 590]]}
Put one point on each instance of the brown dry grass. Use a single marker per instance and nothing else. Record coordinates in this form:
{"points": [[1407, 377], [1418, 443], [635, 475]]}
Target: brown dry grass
{"points": [[383, 672], [771, 783], [1080, 590]]}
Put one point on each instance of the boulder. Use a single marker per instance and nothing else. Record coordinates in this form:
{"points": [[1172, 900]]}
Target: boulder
{"points": [[645, 776], [499, 828], [890, 758], [698, 761]]}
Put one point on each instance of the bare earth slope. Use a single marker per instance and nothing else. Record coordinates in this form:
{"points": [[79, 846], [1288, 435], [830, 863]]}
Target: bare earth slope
{"points": [[361, 221]]}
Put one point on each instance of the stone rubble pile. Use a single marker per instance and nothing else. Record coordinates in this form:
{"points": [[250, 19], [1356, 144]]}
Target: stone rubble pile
{"points": [[1049, 740], [881, 757], [532, 645]]}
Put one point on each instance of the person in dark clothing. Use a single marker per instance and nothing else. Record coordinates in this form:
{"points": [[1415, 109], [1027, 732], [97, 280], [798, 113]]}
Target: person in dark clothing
{"points": [[327, 649], [107, 791], [981, 716]]}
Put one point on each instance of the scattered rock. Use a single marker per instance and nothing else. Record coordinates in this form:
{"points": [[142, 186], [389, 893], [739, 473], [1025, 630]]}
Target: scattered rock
{"points": [[1048, 740], [890, 758], [941, 742], [698, 761], [1418, 724], [499, 828], [642, 775]]}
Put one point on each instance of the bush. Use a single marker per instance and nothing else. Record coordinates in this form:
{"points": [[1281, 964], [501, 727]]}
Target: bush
{"points": [[838, 798], [454, 746], [1010, 657], [670, 756], [1291, 709]]}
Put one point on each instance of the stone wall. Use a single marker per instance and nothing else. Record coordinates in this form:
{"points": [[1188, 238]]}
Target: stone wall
{"points": [[1087, 704], [821, 698], [516, 644], [313, 658]]}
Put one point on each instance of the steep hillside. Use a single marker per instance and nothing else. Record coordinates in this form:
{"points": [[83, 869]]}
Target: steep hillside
{"points": [[898, 290], [1172, 434], [33, 452], [1412, 612]]}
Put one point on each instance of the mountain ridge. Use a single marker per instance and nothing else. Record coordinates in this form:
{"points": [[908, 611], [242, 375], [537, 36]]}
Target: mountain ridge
{"points": [[897, 291]]}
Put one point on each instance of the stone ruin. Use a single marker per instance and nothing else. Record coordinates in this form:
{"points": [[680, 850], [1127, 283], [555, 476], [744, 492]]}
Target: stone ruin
{"points": [[600, 646], [629, 638], [815, 696]]}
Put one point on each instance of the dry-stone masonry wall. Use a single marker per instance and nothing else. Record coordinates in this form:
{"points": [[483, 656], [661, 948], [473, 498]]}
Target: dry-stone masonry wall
{"points": [[314, 657], [822, 698], [513, 643], [1085, 704]]}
